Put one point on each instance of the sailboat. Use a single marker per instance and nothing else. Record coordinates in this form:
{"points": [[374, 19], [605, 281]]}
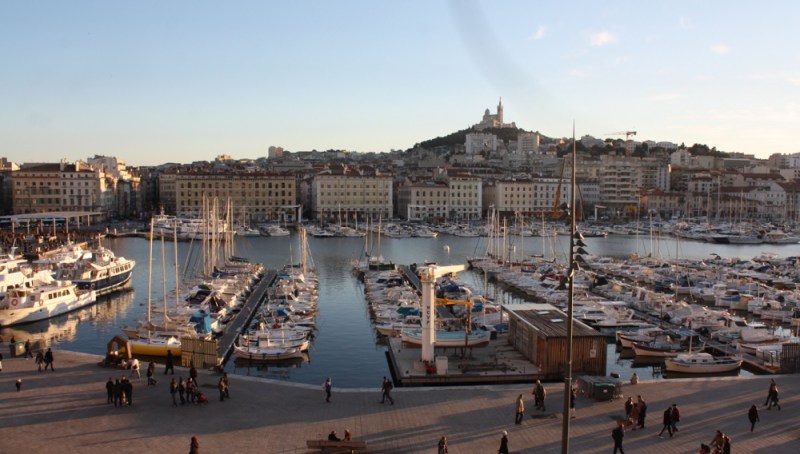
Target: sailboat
{"points": [[702, 362]]}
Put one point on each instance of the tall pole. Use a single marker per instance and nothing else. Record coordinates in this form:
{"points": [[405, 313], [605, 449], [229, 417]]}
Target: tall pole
{"points": [[570, 295]]}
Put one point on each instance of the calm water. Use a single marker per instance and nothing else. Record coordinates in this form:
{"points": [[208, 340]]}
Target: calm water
{"points": [[346, 345]]}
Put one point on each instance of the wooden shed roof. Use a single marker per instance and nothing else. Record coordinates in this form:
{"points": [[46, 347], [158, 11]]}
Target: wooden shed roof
{"points": [[549, 320]]}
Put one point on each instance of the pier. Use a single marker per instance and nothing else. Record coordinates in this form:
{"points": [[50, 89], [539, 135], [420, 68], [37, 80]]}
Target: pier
{"points": [[244, 317]]}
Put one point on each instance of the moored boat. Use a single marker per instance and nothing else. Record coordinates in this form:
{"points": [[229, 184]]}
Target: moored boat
{"points": [[702, 363]]}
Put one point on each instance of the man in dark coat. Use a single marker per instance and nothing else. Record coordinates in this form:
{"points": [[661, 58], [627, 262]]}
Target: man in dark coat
{"points": [[110, 390], [386, 389], [48, 360], [618, 434], [127, 388], [667, 421], [170, 365]]}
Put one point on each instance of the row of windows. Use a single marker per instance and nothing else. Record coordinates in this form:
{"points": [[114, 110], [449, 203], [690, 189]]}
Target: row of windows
{"points": [[218, 185], [184, 203], [243, 194]]}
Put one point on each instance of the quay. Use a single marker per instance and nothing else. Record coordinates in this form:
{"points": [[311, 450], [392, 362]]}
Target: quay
{"points": [[66, 411]]}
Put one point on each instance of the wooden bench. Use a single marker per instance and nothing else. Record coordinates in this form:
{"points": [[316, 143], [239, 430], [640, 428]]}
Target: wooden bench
{"points": [[324, 445]]}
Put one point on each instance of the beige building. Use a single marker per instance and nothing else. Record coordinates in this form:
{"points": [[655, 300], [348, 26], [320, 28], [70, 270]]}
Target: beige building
{"points": [[529, 196], [423, 201], [465, 194], [39, 188], [343, 190], [166, 192], [254, 196]]}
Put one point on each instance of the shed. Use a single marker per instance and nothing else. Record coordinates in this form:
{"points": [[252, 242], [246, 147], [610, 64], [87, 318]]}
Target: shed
{"points": [[539, 332]]}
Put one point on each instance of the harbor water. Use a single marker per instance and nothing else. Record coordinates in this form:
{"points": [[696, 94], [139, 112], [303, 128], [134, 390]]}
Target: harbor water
{"points": [[346, 346]]}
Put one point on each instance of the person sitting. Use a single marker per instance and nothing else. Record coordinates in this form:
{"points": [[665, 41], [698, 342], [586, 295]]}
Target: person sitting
{"points": [[634, 379], [347, 435], [332, 436]]}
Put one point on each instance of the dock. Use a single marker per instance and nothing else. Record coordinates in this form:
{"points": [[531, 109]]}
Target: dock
{"points": [[245, 316]]}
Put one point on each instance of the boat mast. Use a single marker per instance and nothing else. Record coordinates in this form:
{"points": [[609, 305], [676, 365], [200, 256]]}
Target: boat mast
{"points": [[164, 277], [177, 286], [149, 277]]}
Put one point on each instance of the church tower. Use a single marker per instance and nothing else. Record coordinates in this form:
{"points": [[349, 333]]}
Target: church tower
{"points": [[500, 112]]}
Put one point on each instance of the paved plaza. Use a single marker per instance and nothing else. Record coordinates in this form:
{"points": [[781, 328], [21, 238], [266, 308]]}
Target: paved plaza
{"points": [[66, 411]]}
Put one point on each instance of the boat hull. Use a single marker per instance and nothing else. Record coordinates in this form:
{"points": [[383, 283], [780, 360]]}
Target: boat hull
{"points": [[684, 365], [19, 316], [145, 348]]}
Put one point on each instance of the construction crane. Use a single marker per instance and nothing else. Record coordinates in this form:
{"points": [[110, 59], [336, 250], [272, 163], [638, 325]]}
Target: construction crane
{"points": [[628, 141]]}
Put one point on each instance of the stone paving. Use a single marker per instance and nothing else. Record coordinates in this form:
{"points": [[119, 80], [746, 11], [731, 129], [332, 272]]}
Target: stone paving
{"points": [[66, 411]]}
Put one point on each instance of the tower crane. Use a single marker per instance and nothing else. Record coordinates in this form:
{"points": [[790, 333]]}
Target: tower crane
{"points": [[627, 135]]}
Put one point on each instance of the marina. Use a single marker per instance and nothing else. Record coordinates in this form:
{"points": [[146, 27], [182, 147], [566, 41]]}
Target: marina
{"points": [[342, 306]]}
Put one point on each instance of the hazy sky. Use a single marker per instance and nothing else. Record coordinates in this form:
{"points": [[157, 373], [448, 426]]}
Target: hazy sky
{"points": [[152, 82]]}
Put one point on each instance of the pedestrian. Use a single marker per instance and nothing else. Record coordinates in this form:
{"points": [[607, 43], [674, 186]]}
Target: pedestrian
{"points": [[642, 411], [48, 360], [18, 384], [127, 389], [28, 352], [193, 374], [718, 440], [1, 361], [539, 394], [633, 420], [628, 409], [752, 415], [135, 368], [617, 435], [676, 417], [221, 386], [151, 370], [772, 396], [386, 389], [190, 394], [520, 410], [503, 444], [327, 387], [110, 391], [194, 447], [181, 390], [117, 393], [726, 445], [667, 421], [347, 435], [227, 385], [443, 445], [572, 395], [39, 360], [173, 389], [170, 366]]}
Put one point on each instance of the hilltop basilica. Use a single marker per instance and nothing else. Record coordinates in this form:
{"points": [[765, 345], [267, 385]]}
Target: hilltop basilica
{"points": [[494, 121]]}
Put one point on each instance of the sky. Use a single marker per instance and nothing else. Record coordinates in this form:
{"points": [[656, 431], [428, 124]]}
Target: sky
{"points": [[179, 81]]}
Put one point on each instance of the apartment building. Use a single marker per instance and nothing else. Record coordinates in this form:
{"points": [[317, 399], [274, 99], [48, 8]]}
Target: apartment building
{"points": [[39, 188], [423, 201], [351, 190], [618, 178], [477, 142], [465, 192], [254, 196]]}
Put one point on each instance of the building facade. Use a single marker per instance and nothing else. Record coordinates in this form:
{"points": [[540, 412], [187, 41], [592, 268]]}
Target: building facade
{"points": [[349, 190]]}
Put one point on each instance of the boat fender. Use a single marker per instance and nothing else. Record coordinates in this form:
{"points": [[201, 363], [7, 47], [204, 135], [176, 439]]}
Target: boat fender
{"points": [[41, 303], [14, 302]]}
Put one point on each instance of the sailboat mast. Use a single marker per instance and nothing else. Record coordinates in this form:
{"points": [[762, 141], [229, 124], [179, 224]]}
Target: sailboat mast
{"points": [[164, 276], [177, 281], [149, 276]]}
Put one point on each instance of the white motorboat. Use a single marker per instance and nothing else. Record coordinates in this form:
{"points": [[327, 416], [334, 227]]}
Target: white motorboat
{"points": [[456, 338], [702, 363], [24, 305], [262, 351]]}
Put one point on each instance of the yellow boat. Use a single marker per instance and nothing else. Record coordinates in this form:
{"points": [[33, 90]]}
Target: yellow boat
{"points": [[156, 346]]}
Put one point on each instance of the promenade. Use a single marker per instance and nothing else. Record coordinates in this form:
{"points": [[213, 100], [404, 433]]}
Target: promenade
{"points": [[66, 411]]}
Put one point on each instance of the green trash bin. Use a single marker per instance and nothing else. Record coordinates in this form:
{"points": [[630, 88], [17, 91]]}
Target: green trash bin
{"points": [[604, 391], [17, 349]]}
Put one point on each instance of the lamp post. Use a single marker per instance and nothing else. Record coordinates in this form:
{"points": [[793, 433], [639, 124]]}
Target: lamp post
{"points": [[575, 257]]}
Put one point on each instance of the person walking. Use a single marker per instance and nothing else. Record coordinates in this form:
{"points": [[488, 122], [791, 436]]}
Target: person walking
{"points": [[718, 440], [752, 415], [772, 385], [221, 386], [48, 360], [386, 389], [772, 397], [617, 435], [442, 445], [135, 368], [28, 352], [173, 389], [181, 390], [39, 360], [676, 417], [503, 443], [726, 445], [520, 406], [539, 394], [633, 420], [227, 385], [642, 411], [194, 446], [110, 391], [170, 367], [628, 409], [572, 396], [667, 421], [327, 387], [127, 389], [117, 393], [151, 369]]}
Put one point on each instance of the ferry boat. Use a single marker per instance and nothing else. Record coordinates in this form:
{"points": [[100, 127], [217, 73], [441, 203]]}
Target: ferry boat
{"points": [[24, 305], [99, 270]]}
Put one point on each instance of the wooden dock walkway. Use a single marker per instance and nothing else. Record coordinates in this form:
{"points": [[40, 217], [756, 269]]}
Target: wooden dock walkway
{"points": [[242, 320]]}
